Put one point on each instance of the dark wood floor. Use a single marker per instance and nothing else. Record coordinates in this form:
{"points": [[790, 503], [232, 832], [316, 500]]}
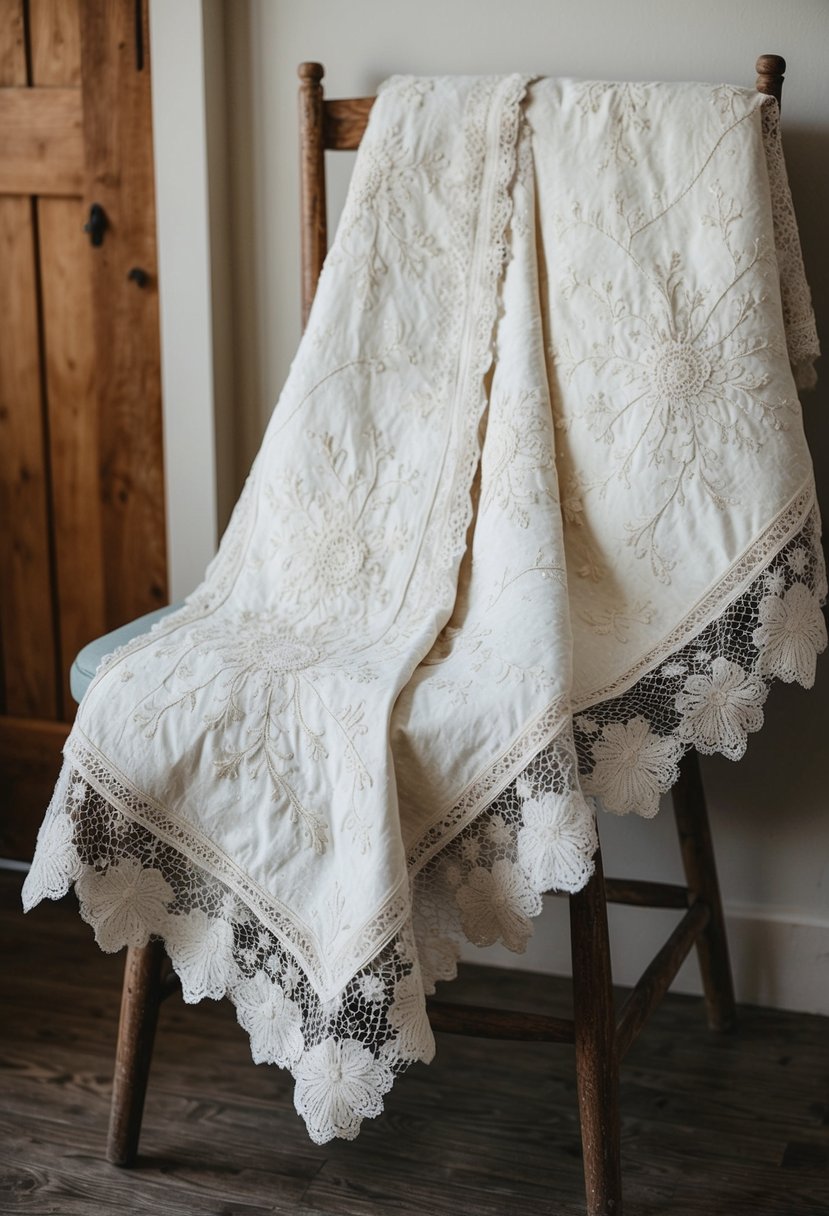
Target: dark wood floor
{"points": [[721, 1126]]}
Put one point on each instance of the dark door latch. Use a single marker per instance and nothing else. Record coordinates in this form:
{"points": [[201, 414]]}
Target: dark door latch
{"points": [[96, 225]]}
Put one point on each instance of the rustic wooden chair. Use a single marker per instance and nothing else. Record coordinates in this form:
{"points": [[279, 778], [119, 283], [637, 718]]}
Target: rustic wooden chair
{"points": [[601, 1038]]}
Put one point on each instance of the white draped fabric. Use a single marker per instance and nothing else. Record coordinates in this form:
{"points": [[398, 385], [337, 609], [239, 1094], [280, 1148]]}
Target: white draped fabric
{"points": [[534, 514]]}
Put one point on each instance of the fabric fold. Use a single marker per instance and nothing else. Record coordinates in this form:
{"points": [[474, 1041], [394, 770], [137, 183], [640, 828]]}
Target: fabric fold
{"points": [[534, 514]]}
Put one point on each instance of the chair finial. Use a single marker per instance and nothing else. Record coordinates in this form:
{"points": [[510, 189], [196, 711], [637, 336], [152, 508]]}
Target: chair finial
{"points": [[311, 71], [770, 72]]}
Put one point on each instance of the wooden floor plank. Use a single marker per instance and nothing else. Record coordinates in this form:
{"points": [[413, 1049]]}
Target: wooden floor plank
{"points": [[733, 1125]]}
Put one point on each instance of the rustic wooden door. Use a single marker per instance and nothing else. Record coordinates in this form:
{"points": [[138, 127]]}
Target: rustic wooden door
{"points": [[82, 546]]}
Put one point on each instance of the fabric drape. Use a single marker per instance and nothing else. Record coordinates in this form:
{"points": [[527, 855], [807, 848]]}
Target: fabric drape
{"points": [[534, 514]]}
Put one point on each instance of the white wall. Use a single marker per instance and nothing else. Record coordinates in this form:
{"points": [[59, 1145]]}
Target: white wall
{"points": [[769, 812], [192, 201]]}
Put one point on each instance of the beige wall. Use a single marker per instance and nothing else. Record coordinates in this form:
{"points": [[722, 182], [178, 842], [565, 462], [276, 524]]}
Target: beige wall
{"points": [[770, 811]]}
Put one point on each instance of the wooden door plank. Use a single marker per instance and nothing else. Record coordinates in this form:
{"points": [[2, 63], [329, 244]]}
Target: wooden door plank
{"points": [[12, 43], [29, 749], [118, 140], [26, 603], [30, 753], [55, 41], [54, 32], [73, 427], [41, 138]]}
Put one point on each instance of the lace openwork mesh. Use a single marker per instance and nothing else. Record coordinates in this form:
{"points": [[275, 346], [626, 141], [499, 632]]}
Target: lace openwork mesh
{"points": [[799, 319], [343, 1052], [484, 886], [482, 876], [709, 692]]}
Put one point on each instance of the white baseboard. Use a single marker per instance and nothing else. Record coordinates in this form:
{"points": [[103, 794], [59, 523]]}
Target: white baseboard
{"points": [[779, 956]]}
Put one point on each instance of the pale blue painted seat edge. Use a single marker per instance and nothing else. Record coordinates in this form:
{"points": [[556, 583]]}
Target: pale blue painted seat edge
{"points": [[87, 660]]}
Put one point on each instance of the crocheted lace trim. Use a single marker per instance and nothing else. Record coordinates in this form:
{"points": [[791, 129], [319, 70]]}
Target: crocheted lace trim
{"points": [[798, 317], [139, 877], [484, 886], [708, 691], [739, 577], [344, 1052], [139, 873]]}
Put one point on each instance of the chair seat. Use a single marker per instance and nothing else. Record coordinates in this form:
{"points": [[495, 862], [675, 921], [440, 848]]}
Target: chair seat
{"points": [[87, 660]]}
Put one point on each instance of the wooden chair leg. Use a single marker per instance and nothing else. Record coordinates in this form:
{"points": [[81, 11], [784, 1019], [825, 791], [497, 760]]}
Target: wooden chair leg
{"points": [[597, 1063], [701, 877], [140, 1000]]}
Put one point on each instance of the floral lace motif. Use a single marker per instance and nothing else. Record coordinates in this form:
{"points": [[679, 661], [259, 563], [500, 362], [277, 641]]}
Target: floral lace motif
{"points": [[344, 1052], [484, 886], [709, 692], [523, 826]]}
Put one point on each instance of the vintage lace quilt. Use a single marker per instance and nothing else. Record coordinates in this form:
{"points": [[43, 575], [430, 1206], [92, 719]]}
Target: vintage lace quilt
{"points": [[534, 514]]}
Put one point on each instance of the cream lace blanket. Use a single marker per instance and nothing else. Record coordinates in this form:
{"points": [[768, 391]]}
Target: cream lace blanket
{"points": [[533, 515]]}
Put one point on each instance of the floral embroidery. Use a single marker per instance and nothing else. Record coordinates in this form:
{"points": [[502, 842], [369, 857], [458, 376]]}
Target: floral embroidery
{"points": [[452, 874], [375, 359], [633, 766], [272, 1020], [125, 903], [496, 905], [619, 622], [690, 369], [437, 952], [623, 108], [334, 538], [259, 675], [587, 724], [290, 977], [264, 681], [258, 680], [338, 1084], [410, 90], [481, 655], [387, 178], [517, 450], [791, 633], [471, 850], [719, 710]]}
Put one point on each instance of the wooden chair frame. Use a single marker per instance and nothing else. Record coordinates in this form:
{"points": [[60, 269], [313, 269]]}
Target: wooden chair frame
{"points": [[601, 1038]]}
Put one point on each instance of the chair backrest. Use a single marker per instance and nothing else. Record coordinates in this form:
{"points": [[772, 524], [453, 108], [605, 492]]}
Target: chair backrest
{"points": [[339, 125]]}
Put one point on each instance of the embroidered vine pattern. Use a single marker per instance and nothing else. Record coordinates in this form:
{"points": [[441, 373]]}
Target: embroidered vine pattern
{"points": [[685, 386], [617, 622], [516, 455], [625, 106], [388, 177], [394, 348], [264, 689]]}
